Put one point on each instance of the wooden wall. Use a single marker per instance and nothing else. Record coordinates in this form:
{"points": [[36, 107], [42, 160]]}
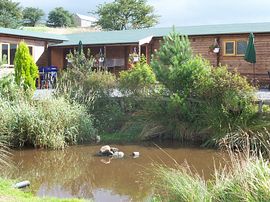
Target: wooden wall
{"points": [[57, 57], [200, 46], [39, 47]]}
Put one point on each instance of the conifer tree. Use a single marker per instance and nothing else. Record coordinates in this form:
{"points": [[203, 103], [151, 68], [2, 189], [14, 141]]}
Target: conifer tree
{"points": [[173, 53], [26, 71]]}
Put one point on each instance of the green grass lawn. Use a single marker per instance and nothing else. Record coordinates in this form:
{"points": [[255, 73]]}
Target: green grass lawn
{"points": [[8, 193]]}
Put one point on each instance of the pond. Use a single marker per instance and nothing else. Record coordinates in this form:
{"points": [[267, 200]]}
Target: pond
{"points": [[77, 172]]}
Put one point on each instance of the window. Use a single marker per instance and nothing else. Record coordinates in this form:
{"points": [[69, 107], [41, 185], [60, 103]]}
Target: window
{"points": [[30, 50], [235, 48], [229, 48], [5, 53], [13, 48], [241, 47], [8, 52]]}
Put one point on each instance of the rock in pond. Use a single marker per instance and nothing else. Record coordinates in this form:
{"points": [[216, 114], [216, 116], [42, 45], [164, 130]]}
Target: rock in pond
{"points": [[118, 155], [110, 151], [136, 154], [105, 150]]}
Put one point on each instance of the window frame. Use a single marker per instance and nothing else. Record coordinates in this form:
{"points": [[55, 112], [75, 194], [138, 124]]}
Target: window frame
{"points": [[236, 47], [229, 41], [235, 41], [1, 51], [9, 52]]}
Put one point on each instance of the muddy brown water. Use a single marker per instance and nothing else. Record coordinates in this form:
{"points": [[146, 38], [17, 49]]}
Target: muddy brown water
{"points": [[76, 172]]}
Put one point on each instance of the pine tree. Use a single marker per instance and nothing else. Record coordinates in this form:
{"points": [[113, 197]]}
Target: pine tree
{"points": [[173, 53], [26, 71]]}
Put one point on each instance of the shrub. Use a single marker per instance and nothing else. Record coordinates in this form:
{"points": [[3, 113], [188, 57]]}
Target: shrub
{"points": [[26, 70], [138, 80], [48, 124], [199, 102], [95, 90]]}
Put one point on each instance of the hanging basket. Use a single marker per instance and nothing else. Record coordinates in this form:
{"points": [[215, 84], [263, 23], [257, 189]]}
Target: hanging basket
{"points": [[216, 50]]}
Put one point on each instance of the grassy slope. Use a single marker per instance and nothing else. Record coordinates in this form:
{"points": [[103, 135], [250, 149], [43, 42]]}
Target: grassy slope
{"points": [[69, 30], [8, 193]]}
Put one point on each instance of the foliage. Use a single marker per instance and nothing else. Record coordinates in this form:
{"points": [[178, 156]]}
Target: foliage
{"points": [[59, 17], [170, 59], [81, 60], [26, 70], [10, 90], [53, 123], [257, 142], [9, 193], [246, 180], [126, 14], [198, 102], [139, 79], [10, 14], [4, 155], [47, 124], [93, 89], [31, 16]]}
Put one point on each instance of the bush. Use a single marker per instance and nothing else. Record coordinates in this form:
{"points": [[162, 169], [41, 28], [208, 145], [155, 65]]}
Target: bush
{"points": [[26, 70], [199, 102], [47, 124], [138, 80], [95, 90]]}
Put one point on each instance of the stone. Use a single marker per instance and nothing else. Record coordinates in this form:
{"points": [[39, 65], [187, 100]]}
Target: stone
{"points": [[114, 149], [118, 154], [105, 149]]}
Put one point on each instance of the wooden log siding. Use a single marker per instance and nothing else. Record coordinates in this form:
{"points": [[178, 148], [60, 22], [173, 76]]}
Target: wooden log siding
{"points": [[200, 46]]}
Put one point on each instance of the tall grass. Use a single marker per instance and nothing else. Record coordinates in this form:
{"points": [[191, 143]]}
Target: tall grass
{"points": [[4, 155], [246, 179], [48, 124]]}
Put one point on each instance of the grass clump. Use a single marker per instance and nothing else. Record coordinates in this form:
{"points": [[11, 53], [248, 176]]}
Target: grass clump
{"points": [[47, 124], [247, 179], [51, 123], [8, 193]]}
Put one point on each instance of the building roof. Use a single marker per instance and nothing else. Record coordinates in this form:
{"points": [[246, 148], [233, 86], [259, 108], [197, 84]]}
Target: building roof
{"points": [[87, 18], [37, 35], [134, 36]]}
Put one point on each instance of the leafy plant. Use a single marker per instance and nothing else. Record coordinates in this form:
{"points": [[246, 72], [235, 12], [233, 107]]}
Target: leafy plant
{"points": [[126, 14], [59, 17], [10, 14], [31, 16], [139, 79], [26, 70]]}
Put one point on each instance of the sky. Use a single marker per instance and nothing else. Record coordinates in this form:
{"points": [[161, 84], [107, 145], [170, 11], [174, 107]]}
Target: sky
{"points": [[178, 12]]}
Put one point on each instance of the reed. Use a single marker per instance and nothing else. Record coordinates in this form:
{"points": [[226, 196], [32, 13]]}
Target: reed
{"points": [[246, 179]]}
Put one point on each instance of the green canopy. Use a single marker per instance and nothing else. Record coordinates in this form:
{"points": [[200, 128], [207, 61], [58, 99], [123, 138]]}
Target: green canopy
{"points": [[80, 47], [250, 55]]}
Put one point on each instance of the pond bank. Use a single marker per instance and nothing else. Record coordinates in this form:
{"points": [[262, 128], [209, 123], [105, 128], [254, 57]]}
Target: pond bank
{"points": [[8, 193]]}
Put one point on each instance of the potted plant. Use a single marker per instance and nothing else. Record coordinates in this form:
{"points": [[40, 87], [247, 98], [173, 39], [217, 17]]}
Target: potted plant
{"points": [[214, 48]]}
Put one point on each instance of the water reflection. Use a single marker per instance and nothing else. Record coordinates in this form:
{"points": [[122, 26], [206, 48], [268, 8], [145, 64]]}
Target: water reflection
{"points": [[76, 172]]}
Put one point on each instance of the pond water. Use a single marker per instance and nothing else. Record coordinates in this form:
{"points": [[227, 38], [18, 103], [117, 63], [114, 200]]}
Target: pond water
{"points": [[77, 172]]}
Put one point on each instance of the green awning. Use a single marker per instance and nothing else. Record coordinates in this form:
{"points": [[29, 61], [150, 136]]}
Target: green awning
{"points": [[250, 55]]}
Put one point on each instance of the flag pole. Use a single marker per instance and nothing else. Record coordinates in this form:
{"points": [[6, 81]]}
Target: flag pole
{"points": [[254, 82]]}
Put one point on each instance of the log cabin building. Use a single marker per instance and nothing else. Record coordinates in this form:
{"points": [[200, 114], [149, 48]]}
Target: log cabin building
{"points": [[220, 44]]}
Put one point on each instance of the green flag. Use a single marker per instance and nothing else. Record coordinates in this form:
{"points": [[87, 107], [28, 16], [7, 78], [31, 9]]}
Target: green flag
{"points": [[250, 55]]}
